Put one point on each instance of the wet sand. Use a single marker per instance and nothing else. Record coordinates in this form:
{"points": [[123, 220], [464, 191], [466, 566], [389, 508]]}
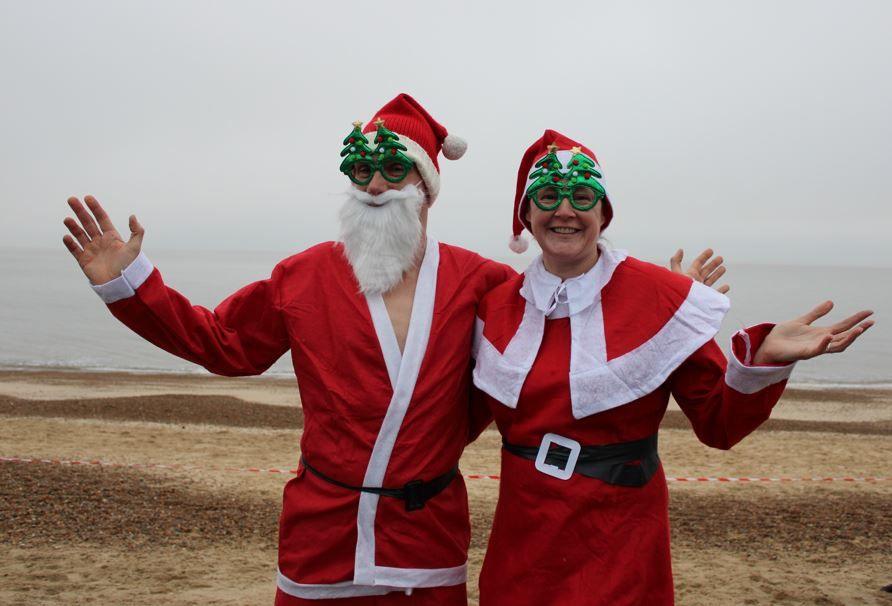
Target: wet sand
{"points": [[205, 533]]}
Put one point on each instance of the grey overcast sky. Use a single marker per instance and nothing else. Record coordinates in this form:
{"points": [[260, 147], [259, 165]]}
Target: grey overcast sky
{"points": [[762, 128]]}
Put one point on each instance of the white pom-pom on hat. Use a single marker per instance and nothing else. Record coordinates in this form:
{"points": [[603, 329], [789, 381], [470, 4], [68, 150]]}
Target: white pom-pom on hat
{"points": [[518, 244], [454, 147]]}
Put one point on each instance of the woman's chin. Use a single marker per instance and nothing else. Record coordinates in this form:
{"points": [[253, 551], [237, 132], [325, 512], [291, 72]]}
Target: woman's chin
{"points": [[564, 249]]}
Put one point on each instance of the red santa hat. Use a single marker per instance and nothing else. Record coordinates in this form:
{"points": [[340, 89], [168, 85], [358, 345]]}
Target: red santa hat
{"points": [[537, 151], [423, 137]]}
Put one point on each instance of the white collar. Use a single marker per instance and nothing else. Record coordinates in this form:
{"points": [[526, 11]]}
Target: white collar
{"points": [[547, 291]]}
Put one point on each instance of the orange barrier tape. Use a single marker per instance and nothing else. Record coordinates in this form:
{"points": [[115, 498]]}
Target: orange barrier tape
{"points": [[473, 476]]}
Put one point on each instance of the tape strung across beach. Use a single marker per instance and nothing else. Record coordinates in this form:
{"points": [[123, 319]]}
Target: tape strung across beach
{"points": [[473, 476]]}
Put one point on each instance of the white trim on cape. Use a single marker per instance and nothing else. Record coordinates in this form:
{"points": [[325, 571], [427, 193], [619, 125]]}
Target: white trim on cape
{"points": [[596, 384]]}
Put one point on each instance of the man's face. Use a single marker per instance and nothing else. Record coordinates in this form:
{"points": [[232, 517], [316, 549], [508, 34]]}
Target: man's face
{"points": [[379, 185]]}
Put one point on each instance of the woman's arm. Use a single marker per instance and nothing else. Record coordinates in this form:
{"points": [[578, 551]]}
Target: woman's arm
{"points": [[726, 400]]}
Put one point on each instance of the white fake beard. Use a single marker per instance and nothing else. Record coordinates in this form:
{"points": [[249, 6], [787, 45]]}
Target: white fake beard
{"points": [[381, 235]]}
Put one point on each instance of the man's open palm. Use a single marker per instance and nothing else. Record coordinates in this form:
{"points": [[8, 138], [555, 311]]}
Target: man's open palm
{"points": [[97, 246]]}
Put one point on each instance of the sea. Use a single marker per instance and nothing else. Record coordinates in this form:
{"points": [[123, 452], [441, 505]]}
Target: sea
{"points": [[51, 319]]}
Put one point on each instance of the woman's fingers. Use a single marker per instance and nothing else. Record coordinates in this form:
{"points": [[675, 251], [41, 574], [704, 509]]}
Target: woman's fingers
{"points": [[105, 223], [820, 310], [820, 347], [844, 325], [724, 288], [85, 218], [77, 231], [841, 341]]}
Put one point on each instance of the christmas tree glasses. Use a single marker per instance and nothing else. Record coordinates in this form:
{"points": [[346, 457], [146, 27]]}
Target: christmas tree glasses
{"points": [[361, 161], [579, 182], [582, 197]]}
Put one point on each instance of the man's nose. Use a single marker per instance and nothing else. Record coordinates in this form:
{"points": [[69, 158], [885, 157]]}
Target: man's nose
{"points": [[378, 184]]}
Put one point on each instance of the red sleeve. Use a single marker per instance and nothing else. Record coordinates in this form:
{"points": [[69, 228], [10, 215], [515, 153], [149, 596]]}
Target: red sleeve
{"points": [[727, 400], [480, 414], [244, 335]]}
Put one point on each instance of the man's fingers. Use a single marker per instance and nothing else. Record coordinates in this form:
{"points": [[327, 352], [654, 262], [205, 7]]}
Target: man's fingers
{"points": [[105, 223], [701, 259], [85, 218], [675, 261], [844, 325], [713, 265], [136, 232], [713, 277], [77, 231], [820, 310], [72, 247], [724, 288]]}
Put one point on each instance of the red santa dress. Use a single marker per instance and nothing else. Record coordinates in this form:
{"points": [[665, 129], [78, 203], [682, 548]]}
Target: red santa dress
{"points": [[373, 416], [594, 360]]}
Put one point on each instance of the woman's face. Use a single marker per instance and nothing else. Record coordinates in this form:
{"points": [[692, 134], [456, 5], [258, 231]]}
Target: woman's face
{"points": [[567, 236]]}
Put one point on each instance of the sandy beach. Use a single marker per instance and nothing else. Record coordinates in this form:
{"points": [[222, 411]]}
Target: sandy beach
{"points": [[174, 516]]}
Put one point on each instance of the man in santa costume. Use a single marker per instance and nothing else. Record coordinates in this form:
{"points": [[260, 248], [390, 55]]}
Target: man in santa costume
{"points": [[380, 327]]}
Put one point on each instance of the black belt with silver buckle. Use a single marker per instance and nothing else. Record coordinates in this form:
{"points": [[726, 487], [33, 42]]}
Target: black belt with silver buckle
{"points": [[622, 464], [415, 493]]}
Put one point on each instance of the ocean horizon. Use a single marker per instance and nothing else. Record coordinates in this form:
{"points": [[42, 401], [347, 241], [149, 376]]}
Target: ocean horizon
{"points": [[51, 319]]}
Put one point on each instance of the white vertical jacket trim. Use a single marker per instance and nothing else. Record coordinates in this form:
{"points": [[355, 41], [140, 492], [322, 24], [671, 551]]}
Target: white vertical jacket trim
{"points": [[596, 384], [366, 571]]}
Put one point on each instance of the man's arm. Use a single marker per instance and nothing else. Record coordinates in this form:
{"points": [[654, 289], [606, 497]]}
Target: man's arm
{"points": [[244, 335]]}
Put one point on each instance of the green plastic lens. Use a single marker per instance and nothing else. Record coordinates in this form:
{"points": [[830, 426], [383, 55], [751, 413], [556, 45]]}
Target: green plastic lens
{"points": [[393, 171], [582, 197], [361, 161]]}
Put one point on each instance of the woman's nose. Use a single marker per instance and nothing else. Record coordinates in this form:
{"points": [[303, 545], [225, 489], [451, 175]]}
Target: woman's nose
{"points": [[564, 209]]}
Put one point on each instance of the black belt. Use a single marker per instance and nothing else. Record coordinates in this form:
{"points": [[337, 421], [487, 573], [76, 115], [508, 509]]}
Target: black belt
{"points": [[415, 493], [621, 464]]}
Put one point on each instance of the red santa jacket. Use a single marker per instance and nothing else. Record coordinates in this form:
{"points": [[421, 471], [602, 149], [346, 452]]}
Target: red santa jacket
{"points": [[373, 416], [594, 359], [632, 324]]}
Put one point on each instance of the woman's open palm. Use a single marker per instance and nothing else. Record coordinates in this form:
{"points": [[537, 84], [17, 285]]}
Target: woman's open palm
{"points": [[799, 340]]}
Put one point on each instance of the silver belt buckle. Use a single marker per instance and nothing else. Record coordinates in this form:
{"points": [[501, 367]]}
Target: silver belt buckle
{"points": [[553, 470]]}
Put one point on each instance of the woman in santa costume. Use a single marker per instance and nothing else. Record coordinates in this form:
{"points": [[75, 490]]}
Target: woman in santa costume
{"points": [[578, 358]]}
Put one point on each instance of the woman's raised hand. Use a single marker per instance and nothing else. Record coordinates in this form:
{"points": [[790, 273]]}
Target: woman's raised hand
{"points": [[704, 268], [95, 243], [799, 340]]}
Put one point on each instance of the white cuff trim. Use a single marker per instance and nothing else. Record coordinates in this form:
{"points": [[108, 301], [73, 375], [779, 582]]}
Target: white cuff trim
{"points": [[747, 379], [125, 285]]}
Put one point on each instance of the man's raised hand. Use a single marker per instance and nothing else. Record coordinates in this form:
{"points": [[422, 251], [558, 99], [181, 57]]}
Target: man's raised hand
{"points": [[704, 269], [95, 243]]}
